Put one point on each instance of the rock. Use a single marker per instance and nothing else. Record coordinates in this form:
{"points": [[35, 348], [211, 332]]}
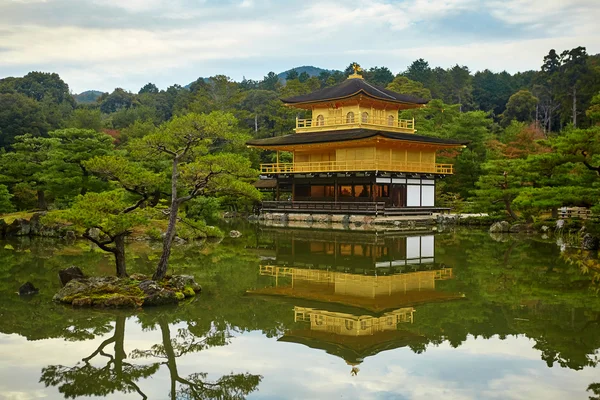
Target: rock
{"points": [[70, 235], [118, 301], [139, 277], [68, 274], [500, 227], [155, 295], [27, 289], [35, 224], [82, 302], [72, 289], [322, 218], [589, 242], [19, 227], [518, 228], [180, 282], [235, 234]]}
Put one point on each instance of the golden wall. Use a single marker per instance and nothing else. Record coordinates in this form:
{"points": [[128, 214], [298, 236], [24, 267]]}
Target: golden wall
{"points": [[342, 112], [380, 153]]}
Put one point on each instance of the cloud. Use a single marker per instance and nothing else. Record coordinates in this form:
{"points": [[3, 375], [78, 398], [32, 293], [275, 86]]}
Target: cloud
{"points": [[127, 43]]}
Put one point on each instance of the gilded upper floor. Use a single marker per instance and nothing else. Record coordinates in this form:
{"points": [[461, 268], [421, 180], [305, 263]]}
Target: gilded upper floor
{"points": [[352, 104]]}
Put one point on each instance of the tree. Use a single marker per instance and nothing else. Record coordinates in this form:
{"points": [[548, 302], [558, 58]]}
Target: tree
{"points": [[593, 112], [520, 107], [291, 74], [401, 84], [26, 165], [149, 88], [491, 91], [20, 115], [419, 71], [501, 183], [380, 76], [270, 82], [5, 205], [113, 214], [460, 81], [117, 100], [303, 77], [581, 146], [71, 148], [42, 85], [187, 142], [86, 118], [571, 74]]}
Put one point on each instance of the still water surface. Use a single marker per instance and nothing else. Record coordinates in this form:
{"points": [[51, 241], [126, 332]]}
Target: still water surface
{"points": [[313, 315]]}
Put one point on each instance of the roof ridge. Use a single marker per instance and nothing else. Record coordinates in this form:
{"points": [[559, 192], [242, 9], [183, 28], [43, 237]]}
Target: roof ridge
{"points": [[379, 90]]}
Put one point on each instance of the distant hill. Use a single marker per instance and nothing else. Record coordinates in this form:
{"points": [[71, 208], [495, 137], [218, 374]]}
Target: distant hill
{"points": [[89, 96], [309, 69]]}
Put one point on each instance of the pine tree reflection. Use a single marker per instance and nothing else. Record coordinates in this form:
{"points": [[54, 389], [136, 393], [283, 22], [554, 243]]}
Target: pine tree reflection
{"points": [[84, 379], [118, 375]]}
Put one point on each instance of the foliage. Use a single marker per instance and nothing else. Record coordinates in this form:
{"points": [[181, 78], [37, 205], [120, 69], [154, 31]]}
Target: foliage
{"points": [[402, 84], [521, 107], [5, 204]]}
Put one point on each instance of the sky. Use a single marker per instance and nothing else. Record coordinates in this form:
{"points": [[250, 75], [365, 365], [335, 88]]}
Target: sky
{"points": [[103, 44]]}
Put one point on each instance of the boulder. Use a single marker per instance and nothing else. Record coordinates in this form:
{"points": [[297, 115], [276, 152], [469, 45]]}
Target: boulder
{"points": [[519, 228], [180, 282], [139, 277], [322, 218], [19, 227], [235, 234], [27, 289], [589, 242], [500, 227], [155, 295], [36, 228], [68, 274]]}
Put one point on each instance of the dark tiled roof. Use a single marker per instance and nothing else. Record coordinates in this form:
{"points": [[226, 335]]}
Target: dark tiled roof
{"points": [[351, 87], [346, 135]]}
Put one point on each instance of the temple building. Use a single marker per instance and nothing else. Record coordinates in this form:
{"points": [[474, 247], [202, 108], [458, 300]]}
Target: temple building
{"points": [[354, 154]]}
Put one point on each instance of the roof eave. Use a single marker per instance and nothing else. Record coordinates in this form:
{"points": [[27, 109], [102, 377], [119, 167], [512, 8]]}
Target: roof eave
{"points": [[287, 101]]}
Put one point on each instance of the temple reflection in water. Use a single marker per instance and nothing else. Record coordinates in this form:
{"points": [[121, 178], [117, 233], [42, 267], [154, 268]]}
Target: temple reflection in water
{"points": [[354, 296]]}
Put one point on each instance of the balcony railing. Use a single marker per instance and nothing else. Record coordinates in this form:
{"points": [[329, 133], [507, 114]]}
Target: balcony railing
{"points": [[342, 122], [355, 166]]}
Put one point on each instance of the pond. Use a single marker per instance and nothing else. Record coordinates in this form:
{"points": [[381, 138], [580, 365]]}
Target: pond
{"points": [[308, 314]]}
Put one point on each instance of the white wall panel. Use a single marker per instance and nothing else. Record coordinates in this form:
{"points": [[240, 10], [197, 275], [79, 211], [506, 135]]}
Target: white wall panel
{"points": [[428, 196], [413, 196]]}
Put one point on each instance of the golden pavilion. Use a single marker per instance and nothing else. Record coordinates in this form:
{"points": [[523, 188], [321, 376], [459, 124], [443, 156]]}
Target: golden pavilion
{"points": [[354, 155]]}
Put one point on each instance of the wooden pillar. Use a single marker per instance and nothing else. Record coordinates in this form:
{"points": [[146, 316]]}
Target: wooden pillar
{"points": [[293, 189], [335, 189]]}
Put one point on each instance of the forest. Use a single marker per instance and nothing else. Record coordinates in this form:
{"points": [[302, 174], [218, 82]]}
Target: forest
{"points": [[534, 140]]}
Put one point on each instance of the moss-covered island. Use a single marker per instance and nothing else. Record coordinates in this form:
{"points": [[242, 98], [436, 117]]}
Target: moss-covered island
{"points": [[131, 292]]}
